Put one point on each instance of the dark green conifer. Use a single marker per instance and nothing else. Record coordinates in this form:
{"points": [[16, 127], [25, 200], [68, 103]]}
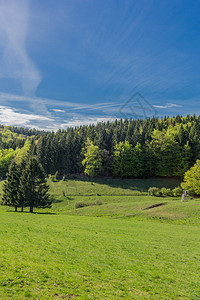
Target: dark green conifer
{"points": [[11, 187], [33, 185]]}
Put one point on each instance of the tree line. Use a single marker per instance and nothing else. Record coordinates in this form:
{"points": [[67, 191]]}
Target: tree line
{"points": [[123, 148], [126, 148]]}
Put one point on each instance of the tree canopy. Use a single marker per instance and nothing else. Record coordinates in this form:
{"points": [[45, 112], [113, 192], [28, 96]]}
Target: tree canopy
{"points": [[93, 159], [26, 186], [150, 147], [192, 179]]}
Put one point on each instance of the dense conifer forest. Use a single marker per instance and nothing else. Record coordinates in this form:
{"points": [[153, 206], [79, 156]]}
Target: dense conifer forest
{"points": [[124, 148]]}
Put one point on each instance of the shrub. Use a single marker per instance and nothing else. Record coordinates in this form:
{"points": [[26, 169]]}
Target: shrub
{"points": [[97, 202], [177, 191], [153, 191], [169, 193], [80, 204], [164, 192], [83, 204]]}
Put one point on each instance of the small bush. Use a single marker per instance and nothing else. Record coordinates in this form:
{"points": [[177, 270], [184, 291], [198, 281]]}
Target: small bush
{"points": [[164, 192], [80, 204], [97, 202], [177, 191], [154, 191], [169, 193], [83, 204]]}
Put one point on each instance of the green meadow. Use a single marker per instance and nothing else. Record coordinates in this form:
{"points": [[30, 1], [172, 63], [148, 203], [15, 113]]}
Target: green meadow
{"points": [[117, 246]]}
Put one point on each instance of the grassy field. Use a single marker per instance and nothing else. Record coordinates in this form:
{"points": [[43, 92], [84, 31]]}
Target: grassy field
{"points": [[117, 250]]}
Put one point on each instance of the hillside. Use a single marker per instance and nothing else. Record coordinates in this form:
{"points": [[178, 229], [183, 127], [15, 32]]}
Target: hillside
{"points": [[123, 148], [13, 137], [120, 199], [123, 248]]}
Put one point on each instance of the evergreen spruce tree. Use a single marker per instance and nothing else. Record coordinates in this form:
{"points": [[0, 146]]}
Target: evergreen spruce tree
{"points": [[33, 185], [11, 187], [21, 199]]}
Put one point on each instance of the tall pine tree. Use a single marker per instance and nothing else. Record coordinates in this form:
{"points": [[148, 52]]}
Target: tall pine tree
{"points": [[33, 185], [11, 187]]}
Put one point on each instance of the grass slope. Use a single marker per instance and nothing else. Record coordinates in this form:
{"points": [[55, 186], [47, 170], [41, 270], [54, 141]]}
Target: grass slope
{"points": [[126, 253], [56, 256], [122, 198]]}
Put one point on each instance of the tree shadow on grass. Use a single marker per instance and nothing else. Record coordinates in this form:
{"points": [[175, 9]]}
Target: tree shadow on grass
{"points": [[57, 201], [54, 200], [42, 213], [37, 212], [28, 212], [134, 184]]}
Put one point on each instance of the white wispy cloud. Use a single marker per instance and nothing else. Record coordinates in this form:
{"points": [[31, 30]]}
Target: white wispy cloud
{"points": [[10, 116], [83, 120], [38, 101], [58, 110], [168, 105], [63, 114], [15, 62]]}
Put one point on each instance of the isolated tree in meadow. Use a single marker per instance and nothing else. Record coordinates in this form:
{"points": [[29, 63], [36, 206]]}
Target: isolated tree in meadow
{"points": [[21, 199], [33, 185], [93, 159], [11, 187], [192, 179], [26, 186]]}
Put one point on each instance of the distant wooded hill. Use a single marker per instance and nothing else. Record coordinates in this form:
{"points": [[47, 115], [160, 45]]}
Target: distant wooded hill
{"points": [[151, 147]]}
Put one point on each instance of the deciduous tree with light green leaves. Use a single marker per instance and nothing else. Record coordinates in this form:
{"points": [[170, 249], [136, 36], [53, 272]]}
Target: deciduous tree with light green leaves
{"points": [[6, 156], [192, 179], [127, 160], [93, 159]]}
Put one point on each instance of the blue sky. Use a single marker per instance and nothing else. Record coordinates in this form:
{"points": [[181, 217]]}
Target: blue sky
{"points": [[71, 62]]}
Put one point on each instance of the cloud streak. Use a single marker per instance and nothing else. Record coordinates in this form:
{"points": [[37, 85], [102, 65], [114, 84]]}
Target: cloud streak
{"points": [[9, 116], [58, 114], [15, 62], [168, 105]]}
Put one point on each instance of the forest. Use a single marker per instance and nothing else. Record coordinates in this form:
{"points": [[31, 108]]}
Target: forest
{"points": [[166, 146]]}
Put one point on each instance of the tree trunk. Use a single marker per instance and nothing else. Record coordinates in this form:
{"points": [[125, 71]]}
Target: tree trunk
{"points": [[31, 209], [15, 208], [22, 209]]}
